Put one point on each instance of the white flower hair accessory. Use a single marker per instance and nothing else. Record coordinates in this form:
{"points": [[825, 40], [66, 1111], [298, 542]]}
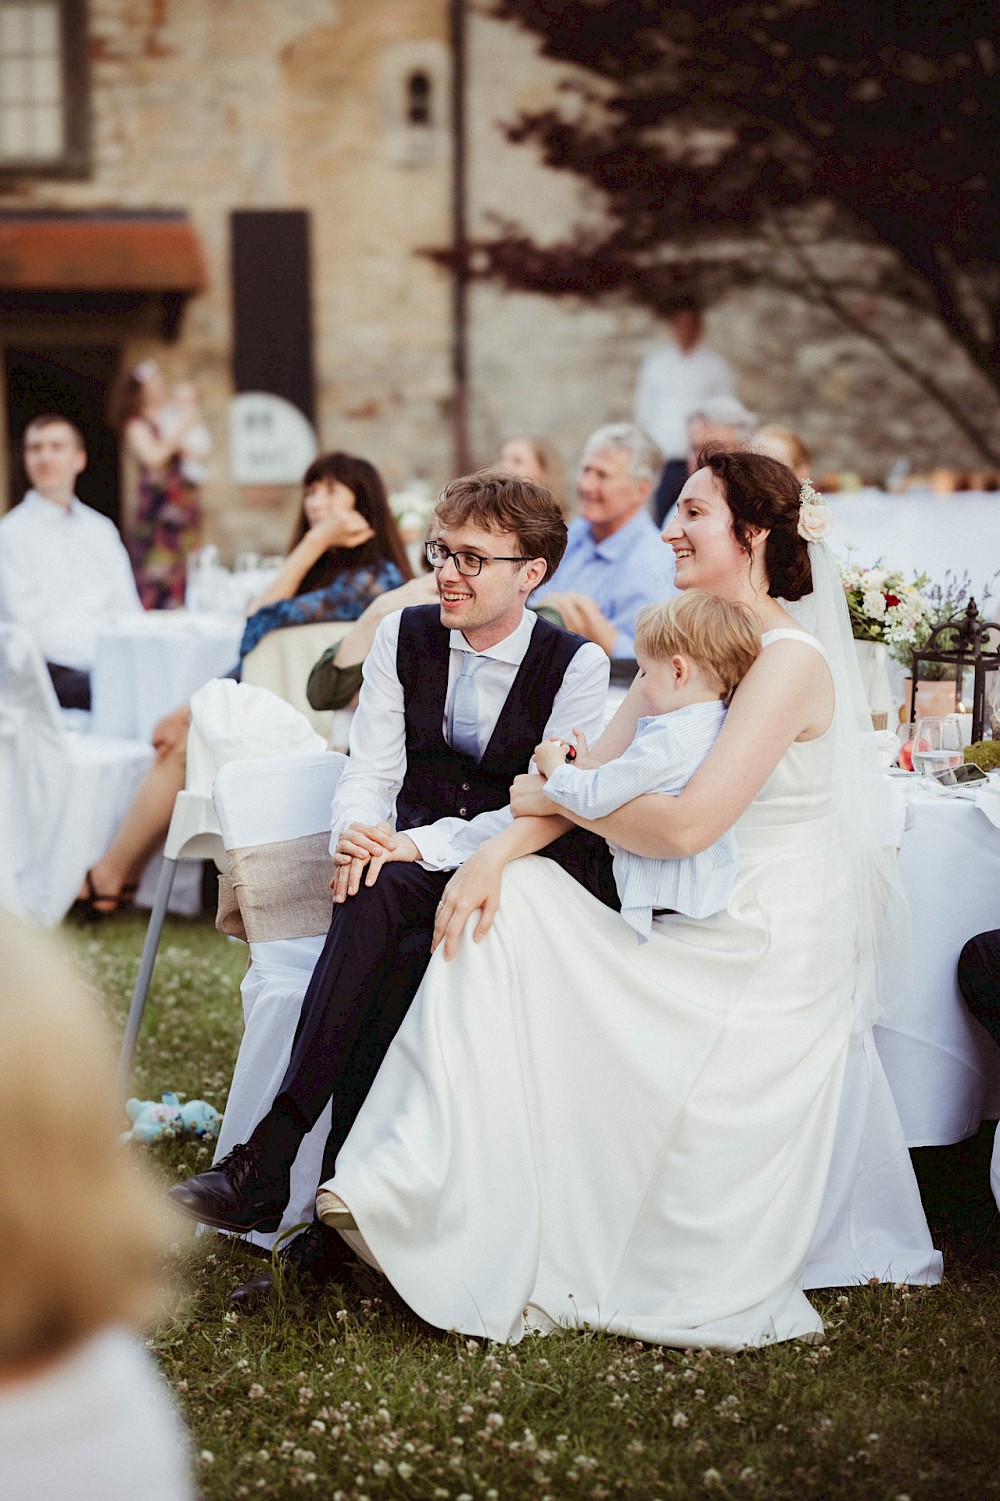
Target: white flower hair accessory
{"points": [[815, 516]]}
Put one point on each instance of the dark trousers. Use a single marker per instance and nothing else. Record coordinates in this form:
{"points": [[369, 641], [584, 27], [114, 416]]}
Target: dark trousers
{"points": [[72, 685], [668, 487], [372, 963], [979, 980]]}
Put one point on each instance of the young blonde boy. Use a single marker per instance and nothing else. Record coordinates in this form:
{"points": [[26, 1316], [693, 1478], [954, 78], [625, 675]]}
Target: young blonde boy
{"points": [[692, 652]]}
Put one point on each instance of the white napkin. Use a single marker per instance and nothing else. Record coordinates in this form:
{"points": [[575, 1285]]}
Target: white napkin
{"points": [[234, 722], [988, 800]]}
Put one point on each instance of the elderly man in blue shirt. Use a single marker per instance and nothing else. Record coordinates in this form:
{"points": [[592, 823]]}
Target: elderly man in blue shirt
{"points": [[615, 561]]}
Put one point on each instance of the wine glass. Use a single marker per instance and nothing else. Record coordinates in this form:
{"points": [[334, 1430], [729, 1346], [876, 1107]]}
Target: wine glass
{"points": [[937, 744]]}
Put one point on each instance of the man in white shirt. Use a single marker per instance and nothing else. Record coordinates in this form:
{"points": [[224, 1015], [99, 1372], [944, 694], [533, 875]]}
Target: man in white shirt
{"points": [[673, 382], [452, 698], [64, 570], [615, 562]]}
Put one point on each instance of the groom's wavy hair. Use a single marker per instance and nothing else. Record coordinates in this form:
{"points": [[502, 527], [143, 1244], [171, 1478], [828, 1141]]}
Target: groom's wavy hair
{"points": [[500, 502], [763, 493]]}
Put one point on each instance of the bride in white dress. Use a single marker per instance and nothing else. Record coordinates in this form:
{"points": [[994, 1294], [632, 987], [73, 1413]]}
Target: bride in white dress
{"points": [[575, 1129]]}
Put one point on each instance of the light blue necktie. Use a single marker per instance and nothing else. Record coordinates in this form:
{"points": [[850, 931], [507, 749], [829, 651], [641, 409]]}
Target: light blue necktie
{"points": [[463, 721]]}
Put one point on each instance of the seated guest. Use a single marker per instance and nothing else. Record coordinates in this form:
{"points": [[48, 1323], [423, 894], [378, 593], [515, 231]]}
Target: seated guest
{"points": [[64, 570], [345, 551], [979, 980], [534, 458], [84, 1412], [614, 563], [781, 443], [720, 425]]}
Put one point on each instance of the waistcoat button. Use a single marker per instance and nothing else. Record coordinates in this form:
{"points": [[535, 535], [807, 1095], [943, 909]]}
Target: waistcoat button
{"points": [[463, 812], [466, 787]]}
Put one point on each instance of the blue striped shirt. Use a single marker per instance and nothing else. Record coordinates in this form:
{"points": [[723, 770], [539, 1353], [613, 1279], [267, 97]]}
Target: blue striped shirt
{"points": [[665, 754]]}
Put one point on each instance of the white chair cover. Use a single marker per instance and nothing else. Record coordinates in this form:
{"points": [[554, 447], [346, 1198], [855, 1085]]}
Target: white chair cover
{"points": [[62, 793], [262, 802], [283, 660]]}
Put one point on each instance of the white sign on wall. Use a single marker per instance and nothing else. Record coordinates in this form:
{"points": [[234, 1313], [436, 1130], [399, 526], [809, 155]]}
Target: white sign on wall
{"points": [[270, 441]]}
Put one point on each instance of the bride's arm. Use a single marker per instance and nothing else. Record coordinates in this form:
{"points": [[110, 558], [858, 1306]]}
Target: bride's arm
{"points": [[475, 886], [777, 701]]}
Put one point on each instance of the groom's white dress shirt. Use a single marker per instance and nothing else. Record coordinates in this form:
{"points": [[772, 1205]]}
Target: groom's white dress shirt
{"points": [[366, 792], [63, 575]]}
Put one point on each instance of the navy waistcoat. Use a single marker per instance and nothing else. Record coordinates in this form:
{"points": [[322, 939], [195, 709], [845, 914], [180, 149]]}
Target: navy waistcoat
{"points": [[441, 782]]}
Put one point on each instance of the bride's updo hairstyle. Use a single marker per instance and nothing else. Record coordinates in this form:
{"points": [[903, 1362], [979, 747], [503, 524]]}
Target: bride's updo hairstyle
{"points": [[762, 493]]}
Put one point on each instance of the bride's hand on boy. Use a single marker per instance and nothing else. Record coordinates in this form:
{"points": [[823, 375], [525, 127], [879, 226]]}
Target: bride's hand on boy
{"points": [[475, 886]]}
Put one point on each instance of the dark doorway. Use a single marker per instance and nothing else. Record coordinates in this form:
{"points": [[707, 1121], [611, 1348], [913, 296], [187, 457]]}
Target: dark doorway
{"points": [[75, 382]]}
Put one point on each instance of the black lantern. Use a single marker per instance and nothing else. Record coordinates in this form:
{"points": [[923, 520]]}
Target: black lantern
{"points": [[965, 644]]}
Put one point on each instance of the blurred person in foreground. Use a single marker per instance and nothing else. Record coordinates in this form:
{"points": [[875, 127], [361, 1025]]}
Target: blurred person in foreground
{"points": [[673, 382], [84, 1413], [64, 571], [614, 562]]}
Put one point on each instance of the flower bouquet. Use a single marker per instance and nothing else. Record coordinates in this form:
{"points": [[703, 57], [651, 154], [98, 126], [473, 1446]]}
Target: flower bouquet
{"points": [[884, 607]]}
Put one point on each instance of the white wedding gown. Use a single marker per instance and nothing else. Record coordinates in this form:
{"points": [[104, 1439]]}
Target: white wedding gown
{"points": [[575, 1129]]}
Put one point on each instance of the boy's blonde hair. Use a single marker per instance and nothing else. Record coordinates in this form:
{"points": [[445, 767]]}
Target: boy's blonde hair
{"points": [[82, 1234], [720, 635]]}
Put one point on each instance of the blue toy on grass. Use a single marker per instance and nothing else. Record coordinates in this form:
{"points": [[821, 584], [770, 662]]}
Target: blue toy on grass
{"points": [[154, 1119]]}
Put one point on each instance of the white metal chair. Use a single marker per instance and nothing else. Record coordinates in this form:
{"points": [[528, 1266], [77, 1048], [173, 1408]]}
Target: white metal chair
{"points": [[275, 819], [62, 792]]}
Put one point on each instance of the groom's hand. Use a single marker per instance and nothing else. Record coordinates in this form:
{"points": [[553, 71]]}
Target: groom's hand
{"points": [[404, 850], [356, 846]]}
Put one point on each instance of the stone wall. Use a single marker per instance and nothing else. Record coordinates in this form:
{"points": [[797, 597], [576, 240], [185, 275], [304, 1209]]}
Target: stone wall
{"points": [[243, 104]]}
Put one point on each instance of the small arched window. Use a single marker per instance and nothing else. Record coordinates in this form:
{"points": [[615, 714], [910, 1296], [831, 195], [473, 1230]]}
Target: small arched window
{"points": [[418, 98]]}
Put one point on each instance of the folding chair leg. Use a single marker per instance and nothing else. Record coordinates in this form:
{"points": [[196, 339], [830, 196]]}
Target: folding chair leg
{"points": [[139, 994]]}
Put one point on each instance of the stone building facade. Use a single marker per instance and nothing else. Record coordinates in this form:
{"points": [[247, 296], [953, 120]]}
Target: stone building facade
{"points": [[340, 109]]}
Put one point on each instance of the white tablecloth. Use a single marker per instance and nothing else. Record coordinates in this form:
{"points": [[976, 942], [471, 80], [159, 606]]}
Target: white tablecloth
{"points": [[918, 532], [146, 665], [942, 1067]]}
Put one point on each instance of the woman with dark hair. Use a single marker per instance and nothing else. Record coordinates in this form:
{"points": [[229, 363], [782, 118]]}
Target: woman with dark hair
{"points": [[345, 551], [167, 519], [573, 1128]]}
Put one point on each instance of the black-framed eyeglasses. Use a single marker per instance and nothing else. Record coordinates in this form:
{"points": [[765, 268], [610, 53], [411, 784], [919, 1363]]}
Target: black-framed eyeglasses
{"points": [[468, 563]]}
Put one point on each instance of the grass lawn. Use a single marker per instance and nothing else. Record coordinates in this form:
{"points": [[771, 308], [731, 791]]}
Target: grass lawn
{"points": [[344, 1395]]}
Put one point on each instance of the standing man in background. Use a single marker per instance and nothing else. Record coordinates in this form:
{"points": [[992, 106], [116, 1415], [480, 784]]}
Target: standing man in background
{"points": [[674, 382], [64, 571]]}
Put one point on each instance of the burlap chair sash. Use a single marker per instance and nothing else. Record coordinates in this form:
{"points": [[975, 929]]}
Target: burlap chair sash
{"points": [[277, 890]]}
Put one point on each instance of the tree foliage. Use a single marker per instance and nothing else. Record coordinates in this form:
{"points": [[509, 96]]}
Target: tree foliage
{"points": [[734, 144]]}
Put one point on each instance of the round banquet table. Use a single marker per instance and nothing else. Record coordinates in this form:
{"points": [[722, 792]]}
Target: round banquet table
{"points": [[146, 665], [942, 1066], [920, 532]]}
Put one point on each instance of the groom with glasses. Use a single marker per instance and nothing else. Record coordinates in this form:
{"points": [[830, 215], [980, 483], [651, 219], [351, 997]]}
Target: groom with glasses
{"points": [[455, 698]]}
